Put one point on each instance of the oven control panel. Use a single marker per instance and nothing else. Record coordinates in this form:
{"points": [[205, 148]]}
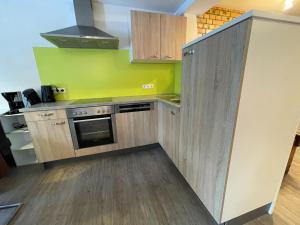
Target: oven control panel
{"points": [[90, 111]]}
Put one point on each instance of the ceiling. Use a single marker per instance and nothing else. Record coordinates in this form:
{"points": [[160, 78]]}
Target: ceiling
{"points": [[264, 5], [169, 6]]}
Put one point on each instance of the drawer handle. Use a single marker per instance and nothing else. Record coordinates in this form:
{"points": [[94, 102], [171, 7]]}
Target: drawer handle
{"points": [[61, 123], [47, 114], [168, 57], [190, 52], [154, 57]]}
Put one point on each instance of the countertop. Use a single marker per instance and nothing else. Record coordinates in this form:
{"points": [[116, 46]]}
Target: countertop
{"points": [[103, 101], [254, 14]]}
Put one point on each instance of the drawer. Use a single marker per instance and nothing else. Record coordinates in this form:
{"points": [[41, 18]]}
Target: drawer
{"points": [[45, 115]]}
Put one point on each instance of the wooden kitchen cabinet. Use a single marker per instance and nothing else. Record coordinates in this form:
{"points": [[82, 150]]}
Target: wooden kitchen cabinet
{"points": [[168, 130], [157, 37], [51, 139], [172, 37], [136, 128], [239, 106], [145, 35]]}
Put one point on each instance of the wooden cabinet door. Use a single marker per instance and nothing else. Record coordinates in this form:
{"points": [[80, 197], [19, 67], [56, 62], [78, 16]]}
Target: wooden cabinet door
{"points": [[136, 128], [168, 130], [173, 36], [211, 87], [145, 29], [51, 139]]}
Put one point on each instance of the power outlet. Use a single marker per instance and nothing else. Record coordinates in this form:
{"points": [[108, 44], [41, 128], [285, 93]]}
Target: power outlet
{"points": [[59, 90], [148, 86]]}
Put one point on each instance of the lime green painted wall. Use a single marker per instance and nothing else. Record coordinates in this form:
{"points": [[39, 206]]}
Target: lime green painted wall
{"points": [[92, 73], [177, 78]]}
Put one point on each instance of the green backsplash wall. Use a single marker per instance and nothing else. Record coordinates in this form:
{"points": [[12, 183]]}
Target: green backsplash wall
{"points": [[92, 73], [177, 79]]}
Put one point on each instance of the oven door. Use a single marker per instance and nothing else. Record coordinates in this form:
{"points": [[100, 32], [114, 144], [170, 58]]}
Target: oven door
{"points": [[93, 131]]}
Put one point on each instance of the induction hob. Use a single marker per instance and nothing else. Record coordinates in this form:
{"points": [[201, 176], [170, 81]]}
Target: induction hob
{"points": [[91, 101]]}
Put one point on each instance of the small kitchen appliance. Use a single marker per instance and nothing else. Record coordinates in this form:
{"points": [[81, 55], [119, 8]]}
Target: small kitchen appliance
{"points": [[47, 93], [31, 96], [14, 100]]}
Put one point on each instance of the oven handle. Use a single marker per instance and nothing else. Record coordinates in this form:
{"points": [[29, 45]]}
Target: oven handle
{"points": [[95, 119]]}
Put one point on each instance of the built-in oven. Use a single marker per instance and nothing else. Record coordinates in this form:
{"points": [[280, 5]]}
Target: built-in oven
{"points": [[92, 126]]}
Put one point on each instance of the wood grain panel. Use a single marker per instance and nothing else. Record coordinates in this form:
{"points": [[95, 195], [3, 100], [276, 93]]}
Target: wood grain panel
{"points": [[136, 128], [51, 139], [212, 79], [96, 150], [168, 130], [145, 32], [173, 36], [45, 115]]}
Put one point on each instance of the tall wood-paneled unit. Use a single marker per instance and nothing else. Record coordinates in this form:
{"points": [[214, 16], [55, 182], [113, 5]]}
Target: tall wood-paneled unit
{"points": [[239, 112]]}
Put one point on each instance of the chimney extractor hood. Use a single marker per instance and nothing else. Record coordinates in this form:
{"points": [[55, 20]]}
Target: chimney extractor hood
{"points": [[84, 34]]}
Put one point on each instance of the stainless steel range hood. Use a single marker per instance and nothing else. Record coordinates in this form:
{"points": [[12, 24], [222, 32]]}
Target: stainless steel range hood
{"points": [[84, 34]]}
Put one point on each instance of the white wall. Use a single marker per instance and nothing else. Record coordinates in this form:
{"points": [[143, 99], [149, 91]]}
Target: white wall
{"points": [[21, 22], [114, 20]]}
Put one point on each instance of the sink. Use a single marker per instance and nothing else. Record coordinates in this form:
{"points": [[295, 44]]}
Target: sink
{"points": [[175, 100]]}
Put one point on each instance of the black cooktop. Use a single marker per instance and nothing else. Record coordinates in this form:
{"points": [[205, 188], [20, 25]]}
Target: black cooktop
{"points": [[91, 101]]}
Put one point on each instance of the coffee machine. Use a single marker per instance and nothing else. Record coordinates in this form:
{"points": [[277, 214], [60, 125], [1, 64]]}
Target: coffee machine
{"points": [[15, 101]]}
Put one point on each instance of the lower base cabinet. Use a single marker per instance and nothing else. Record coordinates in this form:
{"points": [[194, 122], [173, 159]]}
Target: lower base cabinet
{"points": [[52, 139], [136, 128], [168, 130]]}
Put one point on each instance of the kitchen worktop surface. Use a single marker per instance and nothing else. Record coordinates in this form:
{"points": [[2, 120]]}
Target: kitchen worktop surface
{"points": [[102, 101]]}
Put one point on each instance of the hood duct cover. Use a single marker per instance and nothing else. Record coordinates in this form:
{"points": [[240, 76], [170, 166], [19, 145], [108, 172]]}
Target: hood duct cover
{"points": [[84, 34]]}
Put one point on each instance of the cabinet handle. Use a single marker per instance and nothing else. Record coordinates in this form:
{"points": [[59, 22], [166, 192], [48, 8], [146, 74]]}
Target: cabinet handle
{"points": [[190, 52], [46, 114], [154, 57], [61, 123], [173, 113]]}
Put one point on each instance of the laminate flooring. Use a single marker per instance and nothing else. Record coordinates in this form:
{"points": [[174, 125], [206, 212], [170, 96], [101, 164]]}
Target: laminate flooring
{"points": [[135, 188], [124, 188]]}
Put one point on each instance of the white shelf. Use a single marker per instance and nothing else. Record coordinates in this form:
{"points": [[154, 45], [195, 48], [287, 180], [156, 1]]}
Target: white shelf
{"points": [[27, 146], [12, 115], [18, 131]]}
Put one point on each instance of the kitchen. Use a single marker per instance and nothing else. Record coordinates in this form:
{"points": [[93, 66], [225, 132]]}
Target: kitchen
{"points": [[143, 101]]}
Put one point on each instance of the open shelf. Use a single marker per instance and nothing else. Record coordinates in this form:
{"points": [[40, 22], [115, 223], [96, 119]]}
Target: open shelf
{"points": [[18, 131], [27, 146]]}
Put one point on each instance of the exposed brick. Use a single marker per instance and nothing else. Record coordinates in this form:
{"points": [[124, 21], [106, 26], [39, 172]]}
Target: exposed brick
{"points": [[200, 25], [211, 16], [209, 21], [214, 18]]}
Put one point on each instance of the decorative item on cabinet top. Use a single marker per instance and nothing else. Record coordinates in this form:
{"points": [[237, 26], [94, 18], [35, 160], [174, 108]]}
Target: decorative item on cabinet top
{"points": [[157, 38]]}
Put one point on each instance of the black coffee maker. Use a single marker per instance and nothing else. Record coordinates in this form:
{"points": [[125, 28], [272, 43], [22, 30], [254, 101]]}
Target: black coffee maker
{"points": [[15, 101]]}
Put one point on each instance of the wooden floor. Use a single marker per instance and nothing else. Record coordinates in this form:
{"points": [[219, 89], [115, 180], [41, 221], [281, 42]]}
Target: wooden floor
{"points": [[287, 210], [139, 188], [136, 188]]}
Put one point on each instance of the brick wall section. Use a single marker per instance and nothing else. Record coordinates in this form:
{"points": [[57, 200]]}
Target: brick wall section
{"points": [[214, 18]]}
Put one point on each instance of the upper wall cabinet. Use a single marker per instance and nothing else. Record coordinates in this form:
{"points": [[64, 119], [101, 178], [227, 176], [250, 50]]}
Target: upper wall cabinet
{"points": [[157, 37]]}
